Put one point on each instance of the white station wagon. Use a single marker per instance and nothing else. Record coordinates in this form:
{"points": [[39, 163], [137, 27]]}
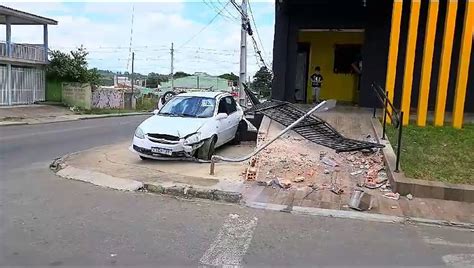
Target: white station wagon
{"points": [[190, 125]]}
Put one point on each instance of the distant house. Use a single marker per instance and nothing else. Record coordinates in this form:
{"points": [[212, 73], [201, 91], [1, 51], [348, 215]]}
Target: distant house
{"points": [[199, 81], [22, 66]]}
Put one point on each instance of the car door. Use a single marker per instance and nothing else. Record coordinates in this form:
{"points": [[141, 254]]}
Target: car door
{"points": [[234, 116], [223, 125]]}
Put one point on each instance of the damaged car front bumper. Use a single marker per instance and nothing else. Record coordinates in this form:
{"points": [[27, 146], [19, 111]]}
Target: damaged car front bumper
{"points": [[164, 150]]}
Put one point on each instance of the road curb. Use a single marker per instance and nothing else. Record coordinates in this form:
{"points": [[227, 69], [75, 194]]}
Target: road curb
{"points": [[112, 115], [6, 124], [189, 191], [356, 215], [74, 119]]}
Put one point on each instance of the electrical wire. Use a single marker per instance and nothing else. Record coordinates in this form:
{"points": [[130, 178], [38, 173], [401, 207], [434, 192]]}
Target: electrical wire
{"points": [[256, 29], [203, 28]]}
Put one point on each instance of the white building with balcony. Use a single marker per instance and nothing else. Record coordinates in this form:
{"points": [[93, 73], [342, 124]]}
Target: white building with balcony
{"points": [[22, 66]]}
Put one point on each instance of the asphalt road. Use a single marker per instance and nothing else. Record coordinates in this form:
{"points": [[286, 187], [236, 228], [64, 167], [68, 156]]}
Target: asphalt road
{"points": [[46, 220]]}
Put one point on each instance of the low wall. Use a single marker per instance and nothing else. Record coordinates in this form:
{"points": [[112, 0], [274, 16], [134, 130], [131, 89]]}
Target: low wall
{"points": [[77, 94], [53, 91], [107, 99]]}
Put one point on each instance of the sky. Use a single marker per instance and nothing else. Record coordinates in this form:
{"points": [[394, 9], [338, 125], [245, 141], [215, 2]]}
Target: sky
{"points": [[106, 31]]}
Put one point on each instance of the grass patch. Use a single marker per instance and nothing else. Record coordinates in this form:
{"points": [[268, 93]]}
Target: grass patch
{"points": [[437, 153]]}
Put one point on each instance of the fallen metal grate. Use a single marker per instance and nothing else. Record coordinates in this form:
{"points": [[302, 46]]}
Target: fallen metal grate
{"points": [[311, 128]]}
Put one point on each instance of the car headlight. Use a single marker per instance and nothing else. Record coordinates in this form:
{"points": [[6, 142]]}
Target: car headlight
{"points": [[192, 138], [139, 133]]}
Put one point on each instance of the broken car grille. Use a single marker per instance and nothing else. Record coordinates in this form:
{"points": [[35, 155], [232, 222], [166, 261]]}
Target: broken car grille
{"points": [[311, 128], [163, 137]]}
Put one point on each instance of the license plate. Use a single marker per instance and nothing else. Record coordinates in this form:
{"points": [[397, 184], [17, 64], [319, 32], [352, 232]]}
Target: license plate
{"points": [[165, 151]]}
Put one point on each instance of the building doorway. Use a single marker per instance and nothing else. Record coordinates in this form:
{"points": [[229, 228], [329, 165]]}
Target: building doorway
{"points": [[338, 53], [301, 81]]}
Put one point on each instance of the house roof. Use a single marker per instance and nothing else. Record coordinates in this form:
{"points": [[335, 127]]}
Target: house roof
{"points": [[18, 17]]}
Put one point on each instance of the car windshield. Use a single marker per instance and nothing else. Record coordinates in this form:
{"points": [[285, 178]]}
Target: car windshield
{"points": [[189, 107]]}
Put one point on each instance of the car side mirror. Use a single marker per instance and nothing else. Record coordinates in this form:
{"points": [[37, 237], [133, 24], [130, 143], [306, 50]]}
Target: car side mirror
{"points": [[221, 116], [156, 111]]}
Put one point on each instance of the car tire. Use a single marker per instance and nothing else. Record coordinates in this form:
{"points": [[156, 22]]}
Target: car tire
{"points": [[238, 134], [206, 151], [167, 96]]}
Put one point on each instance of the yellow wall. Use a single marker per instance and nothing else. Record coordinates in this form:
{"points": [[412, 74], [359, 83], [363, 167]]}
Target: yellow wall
{"points": [[335, 86]]}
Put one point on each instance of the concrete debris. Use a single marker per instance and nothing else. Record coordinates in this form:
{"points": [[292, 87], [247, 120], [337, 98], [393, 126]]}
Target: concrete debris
{"points": [[298, 179], [329, 162], [322, 154], [326, 171], [394, 207], [234, 216], [251, 174], [394, 196], [409, 196], [355, 173], [360, 200], [274, 183], [285, 184], [337, 190]]}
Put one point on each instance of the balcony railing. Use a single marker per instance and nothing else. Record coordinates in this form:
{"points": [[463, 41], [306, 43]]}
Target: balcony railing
{"points": [[29, 52]]}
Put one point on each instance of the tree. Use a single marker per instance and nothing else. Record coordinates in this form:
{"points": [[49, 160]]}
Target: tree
{"points": [[71, 67], [155, 79], [232, 77], [262, 81], [180, 74]]}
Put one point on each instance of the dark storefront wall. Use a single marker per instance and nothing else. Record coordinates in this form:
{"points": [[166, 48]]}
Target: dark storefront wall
{"points": [[316, 14], [375, 18]]}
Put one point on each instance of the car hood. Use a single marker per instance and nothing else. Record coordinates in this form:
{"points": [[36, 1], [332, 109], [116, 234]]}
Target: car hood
{"points": [[175, 126]]}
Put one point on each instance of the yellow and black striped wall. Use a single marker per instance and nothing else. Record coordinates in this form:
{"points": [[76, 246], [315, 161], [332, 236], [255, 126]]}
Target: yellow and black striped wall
{"points": [[430, 63]]}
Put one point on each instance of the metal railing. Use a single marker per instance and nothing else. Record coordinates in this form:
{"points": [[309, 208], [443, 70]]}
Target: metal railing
{"points": [[32, 52], [3, 49], [396, 117]]}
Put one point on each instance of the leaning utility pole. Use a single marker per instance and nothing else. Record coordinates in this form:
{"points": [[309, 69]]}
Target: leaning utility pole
{"points": [[172, 59], [243, 53]]}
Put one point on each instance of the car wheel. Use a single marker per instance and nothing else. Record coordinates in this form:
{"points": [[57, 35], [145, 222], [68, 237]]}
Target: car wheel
{"points": [[238, 134], [167, 96], [206, 151]]}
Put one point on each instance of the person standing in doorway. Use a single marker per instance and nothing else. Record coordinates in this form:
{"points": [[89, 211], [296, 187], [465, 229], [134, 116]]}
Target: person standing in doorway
{"points": [[316, 83]]}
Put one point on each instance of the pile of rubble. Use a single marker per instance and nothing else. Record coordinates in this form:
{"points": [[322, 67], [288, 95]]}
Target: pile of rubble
{"points": [[292, 162]]}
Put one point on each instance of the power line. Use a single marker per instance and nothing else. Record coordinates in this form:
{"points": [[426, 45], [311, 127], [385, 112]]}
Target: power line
{"points": [[215, 8], [255, 26], [203, 28], [235, 18]]}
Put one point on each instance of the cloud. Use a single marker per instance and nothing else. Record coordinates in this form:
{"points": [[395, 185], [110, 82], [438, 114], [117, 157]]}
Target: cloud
{"points": [[104, 29]]}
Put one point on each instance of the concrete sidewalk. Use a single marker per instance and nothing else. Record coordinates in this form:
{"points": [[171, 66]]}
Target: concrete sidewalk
{"points": [[115, 167], [40, 114]]}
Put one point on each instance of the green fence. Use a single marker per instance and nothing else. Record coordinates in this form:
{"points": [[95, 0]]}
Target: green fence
{"points": [[53, 91]]}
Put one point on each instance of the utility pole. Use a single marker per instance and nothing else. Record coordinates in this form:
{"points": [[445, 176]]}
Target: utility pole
{"points": [[243, 53], [172, 59], [133, 61], [132, 98]]}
